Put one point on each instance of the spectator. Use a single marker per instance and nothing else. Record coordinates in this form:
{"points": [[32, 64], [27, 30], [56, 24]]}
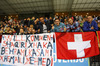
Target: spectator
{"points": [[33, 31], [36, 25], [31, 22], [21, 32], [65, 22], [26, 22], [65, 17], [56, 16], [58, 27], [25, 29], [10, 19], [82, 22], [10, 32], [73, 26], [77, 17], [90, 25], [44, 27], [61, 19], [30, 30], [32, 26], [22, 22], [47, 20], [98, 18], [80, 18], [51, 21]]}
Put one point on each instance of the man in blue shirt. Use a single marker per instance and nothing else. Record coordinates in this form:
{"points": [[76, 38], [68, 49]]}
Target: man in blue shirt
{"points": [[90, 24], [58, 27]]}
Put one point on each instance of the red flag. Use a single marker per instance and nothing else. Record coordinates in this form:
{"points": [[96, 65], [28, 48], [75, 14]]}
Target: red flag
{"points": [[98, 35], [76, 45]]}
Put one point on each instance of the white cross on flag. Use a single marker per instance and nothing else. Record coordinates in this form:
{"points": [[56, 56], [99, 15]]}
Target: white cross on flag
{"points": [[76, 45]]}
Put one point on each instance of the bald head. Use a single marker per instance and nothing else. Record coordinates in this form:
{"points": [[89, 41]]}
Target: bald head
{"points": [[89, 18]]}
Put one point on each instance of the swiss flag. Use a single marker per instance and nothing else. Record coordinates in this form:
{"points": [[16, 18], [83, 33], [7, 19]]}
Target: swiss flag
{"points": [[76, 45]]}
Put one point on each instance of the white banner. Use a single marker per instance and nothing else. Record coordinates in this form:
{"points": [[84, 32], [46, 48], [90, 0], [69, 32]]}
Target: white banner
{"points": [[27, 50]]}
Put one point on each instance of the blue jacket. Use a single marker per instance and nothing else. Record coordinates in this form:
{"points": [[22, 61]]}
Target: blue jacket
{"points": [[59, 28], [87, 26]]}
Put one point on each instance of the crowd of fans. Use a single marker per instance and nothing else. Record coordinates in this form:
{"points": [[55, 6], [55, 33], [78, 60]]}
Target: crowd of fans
{"points": [[46, 25]]}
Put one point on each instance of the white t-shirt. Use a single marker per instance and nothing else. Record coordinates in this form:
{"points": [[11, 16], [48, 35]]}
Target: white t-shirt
{"points": [[44, 28]]}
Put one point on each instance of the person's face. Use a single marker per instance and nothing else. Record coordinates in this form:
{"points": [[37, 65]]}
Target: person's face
{"points": [[21, 31], [30, 29], [8, 28], [41, 20], [50, 17], [10, 31], [25, 26], [70, 21], [57, 22], [24, 19], [21, 27], [28, 19], [1, 31], [31, 26], [33, 18], [46, 18], [13, 30], [89, 18], [65, 20], [2, 28], [59, 17], [33, 31], [12, 26], [1, 25], [37, 19], [85, 19]]}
